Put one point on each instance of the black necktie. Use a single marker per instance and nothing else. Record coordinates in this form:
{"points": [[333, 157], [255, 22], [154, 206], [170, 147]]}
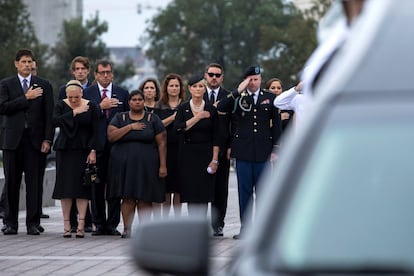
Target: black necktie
{"points": [[254, 98], [212, 100], [25, 85]]}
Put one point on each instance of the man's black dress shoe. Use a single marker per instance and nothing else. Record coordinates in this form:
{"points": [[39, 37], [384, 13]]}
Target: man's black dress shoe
{"points": [[88, 229], [3, 228], [218, 231], [32, 230], [44, 216], [2, 214], [40, 228], [98, 232], [113, 232], [10, 231]]}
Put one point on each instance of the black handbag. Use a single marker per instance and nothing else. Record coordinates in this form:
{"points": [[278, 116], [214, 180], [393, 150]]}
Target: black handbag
{"points": [[90, 175]]}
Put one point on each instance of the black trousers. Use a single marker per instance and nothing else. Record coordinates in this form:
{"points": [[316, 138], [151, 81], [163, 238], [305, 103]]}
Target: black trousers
{"points": [[99, 204], [221, 192], [31, 161], [3, 203]]}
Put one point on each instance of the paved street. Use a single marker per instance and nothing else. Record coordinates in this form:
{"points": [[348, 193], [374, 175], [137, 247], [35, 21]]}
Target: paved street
{"points": [[50, 254]]}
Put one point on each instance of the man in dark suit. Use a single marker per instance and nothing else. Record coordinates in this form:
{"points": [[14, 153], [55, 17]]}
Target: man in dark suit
{"points": [[257, 133], [214, 75], [26, 134], [80, 68], [3, 194], [110, 99]]}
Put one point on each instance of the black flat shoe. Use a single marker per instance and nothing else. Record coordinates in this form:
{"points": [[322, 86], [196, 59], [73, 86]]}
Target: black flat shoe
{"points": [[98, 232], [88, 229], [32, 230], [40, 228], [113, 232], [10, 231], [44, 216], [218, 231]]}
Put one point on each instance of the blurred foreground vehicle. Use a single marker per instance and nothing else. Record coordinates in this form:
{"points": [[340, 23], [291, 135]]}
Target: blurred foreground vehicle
{"points": [[340, 199]]}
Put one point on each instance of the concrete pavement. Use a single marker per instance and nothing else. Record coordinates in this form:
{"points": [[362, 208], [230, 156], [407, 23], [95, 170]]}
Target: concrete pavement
{"points": [[51, 254]]}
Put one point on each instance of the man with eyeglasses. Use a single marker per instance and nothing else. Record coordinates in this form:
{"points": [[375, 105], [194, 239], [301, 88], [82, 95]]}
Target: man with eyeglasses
{"points": [[110, 100], [256, 134], [214, 75]]}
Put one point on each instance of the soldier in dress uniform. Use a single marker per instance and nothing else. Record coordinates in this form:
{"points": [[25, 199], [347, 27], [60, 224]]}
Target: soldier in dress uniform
{"points": [[256, 135]]}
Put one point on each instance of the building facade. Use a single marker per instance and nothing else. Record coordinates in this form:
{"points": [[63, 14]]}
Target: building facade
{"points": [[47, 17]]}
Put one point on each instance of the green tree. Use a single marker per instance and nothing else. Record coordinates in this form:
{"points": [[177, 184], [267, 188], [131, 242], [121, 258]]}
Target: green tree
{"points": [[78, 39], [318, 9], [16, 31], [187, 35]]}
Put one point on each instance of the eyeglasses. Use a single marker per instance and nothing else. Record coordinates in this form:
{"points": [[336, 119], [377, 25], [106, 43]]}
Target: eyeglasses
{"points": [[217, 75], [104, 72]]}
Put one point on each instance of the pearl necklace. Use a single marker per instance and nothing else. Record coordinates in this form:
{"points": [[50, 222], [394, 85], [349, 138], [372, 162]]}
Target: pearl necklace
{"points": [[197, 109]]}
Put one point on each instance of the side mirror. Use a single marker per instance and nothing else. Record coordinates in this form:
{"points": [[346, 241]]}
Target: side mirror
{"points": [[179, 246]]}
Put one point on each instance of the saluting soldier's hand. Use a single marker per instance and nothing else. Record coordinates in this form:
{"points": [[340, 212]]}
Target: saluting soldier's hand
{"points": [[243, 85]]}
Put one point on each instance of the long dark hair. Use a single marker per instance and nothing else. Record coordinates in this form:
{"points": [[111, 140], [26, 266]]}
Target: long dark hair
{"points": [[166, 81]]}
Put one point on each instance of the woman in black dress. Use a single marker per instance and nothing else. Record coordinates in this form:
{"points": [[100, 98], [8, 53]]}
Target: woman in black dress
{"points": [[75, 146], [172, 94], [138, 160], [198, 152], [274, 85]]}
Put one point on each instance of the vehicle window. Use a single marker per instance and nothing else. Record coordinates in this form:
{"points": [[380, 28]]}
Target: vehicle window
{"points": [[354, 201]]}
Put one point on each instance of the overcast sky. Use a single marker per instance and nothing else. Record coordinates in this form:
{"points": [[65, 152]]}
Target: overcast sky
{"points": [[125, 25]]}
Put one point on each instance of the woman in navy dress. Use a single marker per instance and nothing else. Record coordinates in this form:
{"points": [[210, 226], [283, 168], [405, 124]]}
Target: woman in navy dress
{"points": [[138, 160]]}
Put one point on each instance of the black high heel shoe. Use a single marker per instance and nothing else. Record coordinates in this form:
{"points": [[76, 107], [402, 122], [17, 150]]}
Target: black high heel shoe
{"points": [[126, 234], [66, 232], [80, 233]]}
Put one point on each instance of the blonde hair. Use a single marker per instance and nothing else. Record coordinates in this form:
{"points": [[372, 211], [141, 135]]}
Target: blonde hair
{"points": [[73, 83]]}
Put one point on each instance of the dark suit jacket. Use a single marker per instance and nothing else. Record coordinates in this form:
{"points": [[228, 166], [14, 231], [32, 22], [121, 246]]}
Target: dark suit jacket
{"points": [[254, 137], [224, 122], [62, 91], [16, 110], [93, 94]]}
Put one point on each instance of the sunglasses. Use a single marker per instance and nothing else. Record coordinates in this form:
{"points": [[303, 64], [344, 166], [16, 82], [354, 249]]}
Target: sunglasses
{"points": [[217, 75]]}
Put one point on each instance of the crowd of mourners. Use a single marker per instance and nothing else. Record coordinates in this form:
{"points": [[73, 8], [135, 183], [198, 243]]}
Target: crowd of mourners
{"points": [[152, 148]]}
